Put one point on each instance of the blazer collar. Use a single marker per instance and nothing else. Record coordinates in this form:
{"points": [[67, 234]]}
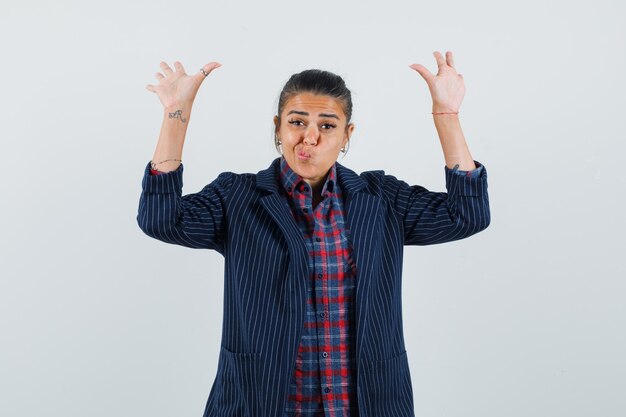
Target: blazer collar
{"points": [[349, 181]]}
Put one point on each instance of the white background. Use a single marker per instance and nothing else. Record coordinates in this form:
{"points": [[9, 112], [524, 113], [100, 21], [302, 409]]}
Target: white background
{"points": [[526, 318]]}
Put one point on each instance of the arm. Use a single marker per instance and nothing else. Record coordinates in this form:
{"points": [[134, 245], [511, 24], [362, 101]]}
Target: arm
{"points": [[437, 217], [431, 217], [172, 137], [193, 220], [453, 144]]}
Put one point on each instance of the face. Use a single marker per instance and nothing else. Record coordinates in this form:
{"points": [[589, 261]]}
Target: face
{"points": [[312, 131]]}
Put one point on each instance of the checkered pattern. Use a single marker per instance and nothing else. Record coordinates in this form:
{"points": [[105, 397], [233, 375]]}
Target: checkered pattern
{"points": [[324, 380]]}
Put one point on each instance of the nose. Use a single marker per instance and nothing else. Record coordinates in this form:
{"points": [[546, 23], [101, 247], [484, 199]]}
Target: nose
{"points": [[310, 136]]}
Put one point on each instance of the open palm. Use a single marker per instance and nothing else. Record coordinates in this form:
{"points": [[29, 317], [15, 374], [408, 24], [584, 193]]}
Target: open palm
{"points": [[177, 87], [447, 87]]}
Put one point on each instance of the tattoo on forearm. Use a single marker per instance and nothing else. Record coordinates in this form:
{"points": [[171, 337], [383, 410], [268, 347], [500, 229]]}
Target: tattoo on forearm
{"points": [[178, 115]]}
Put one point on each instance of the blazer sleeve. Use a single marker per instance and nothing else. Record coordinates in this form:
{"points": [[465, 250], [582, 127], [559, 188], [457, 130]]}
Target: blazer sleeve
{"points": [[194, 220], [431, 217], [473, 173]]}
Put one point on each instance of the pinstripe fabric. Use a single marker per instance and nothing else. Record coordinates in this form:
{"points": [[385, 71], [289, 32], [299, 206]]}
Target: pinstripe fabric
{"points": [[266, 271], [324, 381]]}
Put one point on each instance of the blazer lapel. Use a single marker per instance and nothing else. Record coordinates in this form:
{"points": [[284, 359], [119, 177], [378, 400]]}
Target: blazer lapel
{"points": [[363, 219], [279, 210]]}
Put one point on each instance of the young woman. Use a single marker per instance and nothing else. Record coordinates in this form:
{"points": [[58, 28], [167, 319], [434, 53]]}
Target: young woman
{"points": [[312, 321]]}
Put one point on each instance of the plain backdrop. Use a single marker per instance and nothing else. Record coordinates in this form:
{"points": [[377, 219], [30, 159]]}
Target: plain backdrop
{"points": [[526, 318]]}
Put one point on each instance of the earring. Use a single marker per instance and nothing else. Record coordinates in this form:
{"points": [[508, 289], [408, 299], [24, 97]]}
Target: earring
{"points": [[278, 143]]}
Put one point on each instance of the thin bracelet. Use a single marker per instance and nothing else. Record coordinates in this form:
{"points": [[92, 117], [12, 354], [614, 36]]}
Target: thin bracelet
{"points": [[153, 165], [446, 112]]}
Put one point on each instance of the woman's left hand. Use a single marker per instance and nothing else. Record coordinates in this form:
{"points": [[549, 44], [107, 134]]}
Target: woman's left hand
{"points": [[447, 87]]}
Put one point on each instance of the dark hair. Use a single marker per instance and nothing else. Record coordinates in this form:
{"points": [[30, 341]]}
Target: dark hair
{"points": [[317, 82]]}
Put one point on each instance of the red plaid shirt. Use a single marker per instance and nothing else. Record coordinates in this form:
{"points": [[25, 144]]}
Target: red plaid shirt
{"points": [[324, 380]]}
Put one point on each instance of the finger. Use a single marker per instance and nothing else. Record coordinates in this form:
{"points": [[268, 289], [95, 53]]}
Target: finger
{"points": [[179, 67], [449, 58], [150, 87], [211, 66], [440, 61], [208, 68], [159, 76], [423, 71], [166, 68]]}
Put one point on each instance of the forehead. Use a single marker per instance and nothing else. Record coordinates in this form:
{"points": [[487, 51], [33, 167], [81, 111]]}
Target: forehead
{"points": [[310, 103]]}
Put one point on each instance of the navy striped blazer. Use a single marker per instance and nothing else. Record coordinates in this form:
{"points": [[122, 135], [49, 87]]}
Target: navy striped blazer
{"points": [[243, 217]]}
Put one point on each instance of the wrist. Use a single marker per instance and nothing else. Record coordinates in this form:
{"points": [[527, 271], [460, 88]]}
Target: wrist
{"points": [[437, 115], [179, 104], [179, 112], [438, 108], [183, 107]]}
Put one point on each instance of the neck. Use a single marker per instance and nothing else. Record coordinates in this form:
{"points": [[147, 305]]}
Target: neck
{"points": [[316, 186]]}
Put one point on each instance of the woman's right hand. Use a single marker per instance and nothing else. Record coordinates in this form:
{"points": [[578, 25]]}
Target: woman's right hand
{"points": [[176, 87]]}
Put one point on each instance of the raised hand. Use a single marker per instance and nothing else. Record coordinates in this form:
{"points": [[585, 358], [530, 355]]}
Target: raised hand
{"points": [[176, 87], [447, 87]]}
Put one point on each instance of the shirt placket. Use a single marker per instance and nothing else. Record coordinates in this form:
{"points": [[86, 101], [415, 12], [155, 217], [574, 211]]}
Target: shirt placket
{"points": [[323, 309]]}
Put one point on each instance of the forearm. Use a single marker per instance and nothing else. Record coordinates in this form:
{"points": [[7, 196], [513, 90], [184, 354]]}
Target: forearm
{"points": [[172, 137], [452, 140]]}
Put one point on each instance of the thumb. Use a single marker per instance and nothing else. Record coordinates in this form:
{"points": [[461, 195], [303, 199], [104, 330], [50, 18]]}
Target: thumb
{"points": [[423, 71], [208, 68]]}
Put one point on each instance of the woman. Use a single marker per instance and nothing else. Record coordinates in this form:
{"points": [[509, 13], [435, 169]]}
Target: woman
{"points": [[313, 251]]}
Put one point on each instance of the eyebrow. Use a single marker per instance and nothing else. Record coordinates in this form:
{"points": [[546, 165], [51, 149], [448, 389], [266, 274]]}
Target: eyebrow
{"points": [[306, 114]]}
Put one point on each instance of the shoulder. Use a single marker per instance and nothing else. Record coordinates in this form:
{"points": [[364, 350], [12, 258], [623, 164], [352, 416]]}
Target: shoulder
{"points": [[234, 180], [386, 186], [375, 181], [250, 183]]}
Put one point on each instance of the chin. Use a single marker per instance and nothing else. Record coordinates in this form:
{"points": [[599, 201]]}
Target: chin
{"points": [[302, 169]]}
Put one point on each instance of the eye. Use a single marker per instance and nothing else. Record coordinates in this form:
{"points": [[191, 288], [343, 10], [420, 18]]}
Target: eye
{"points": [[297, 122]]}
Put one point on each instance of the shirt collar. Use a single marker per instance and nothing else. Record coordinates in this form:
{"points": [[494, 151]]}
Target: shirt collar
{"points": [[290, 180]]}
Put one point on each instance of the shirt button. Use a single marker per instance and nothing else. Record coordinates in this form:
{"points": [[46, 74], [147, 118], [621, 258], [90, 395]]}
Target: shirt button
{"points": [[327, 390], [325, 354], [317, 239], [320, 275], [306, 210], [306, 188], [323, 314]]}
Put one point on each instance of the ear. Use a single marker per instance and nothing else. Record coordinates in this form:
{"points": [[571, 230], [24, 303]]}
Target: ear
{"points": [[276, 124], [349, 131]]}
